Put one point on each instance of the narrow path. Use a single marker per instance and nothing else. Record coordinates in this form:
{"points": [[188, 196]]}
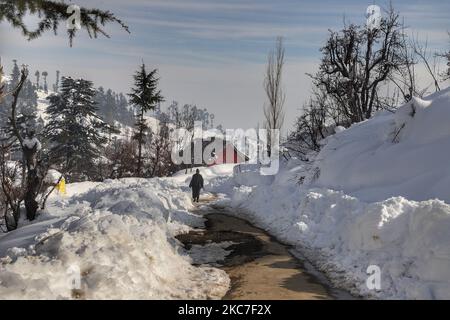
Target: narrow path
{"points": [[259, 266]]}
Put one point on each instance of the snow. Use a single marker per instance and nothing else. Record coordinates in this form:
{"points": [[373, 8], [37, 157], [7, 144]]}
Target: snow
{"points": [[42, 105], [53, 177], [211, 253], [376, 195], [32, 143], [367, 163], [339, 129], [120, 235]]}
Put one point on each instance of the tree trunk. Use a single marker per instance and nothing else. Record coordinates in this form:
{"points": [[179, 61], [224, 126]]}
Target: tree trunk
{"points": [[140, 142]]}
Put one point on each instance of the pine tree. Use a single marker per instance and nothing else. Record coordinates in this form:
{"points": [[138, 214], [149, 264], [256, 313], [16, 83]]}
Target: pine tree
{"points": [[45, 74], [27, 108], [37, 74], [75, 130], [56, 85], [145, 96], [15, 75], [111, 108], [50, 14]]}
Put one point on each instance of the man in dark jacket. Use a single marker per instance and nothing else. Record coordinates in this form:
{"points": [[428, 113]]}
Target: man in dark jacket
{"points": [[196, 184]]}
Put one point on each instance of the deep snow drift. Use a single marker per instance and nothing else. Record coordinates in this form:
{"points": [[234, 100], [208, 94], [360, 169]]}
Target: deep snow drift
{"points": [[373, 196], [406, 154], [119, 235]]}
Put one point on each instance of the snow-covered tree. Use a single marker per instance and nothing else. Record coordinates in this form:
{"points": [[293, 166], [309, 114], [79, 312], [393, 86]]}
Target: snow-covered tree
{"points": [[26, 105], [144, 96], [27, 108], [75, 131], [15, 75], [113, 107]]}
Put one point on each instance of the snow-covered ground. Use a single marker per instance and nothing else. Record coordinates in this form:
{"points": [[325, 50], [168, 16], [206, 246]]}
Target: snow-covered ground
{"points": [[119, 235], [376, 195]]}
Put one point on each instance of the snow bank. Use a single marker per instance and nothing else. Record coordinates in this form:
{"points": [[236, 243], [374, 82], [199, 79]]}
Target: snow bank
{"points": [[377, 194], [406, 154], [119, 236]]}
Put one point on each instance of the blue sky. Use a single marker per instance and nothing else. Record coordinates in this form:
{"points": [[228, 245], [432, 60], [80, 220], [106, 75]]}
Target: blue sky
{"points": [[210, 52]]}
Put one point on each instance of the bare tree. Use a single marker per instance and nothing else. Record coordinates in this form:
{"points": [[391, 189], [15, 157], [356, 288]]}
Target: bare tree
{"points": [[274, 109], [446, 74], [316, 122], [430, 62], [122, 159], [404, 79], [2, 86], [10, 191], [355, 64], [160, 164], [309, 129], [415, 53]]}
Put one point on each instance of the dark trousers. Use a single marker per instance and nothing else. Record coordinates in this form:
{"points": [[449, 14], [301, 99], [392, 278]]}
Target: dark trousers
{"points": [[196, 194]]}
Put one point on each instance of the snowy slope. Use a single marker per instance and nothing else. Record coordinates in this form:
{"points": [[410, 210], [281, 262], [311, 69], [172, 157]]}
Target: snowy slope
{"points": [[377, 195], [125, 131], [366, 161], [120, 235]]}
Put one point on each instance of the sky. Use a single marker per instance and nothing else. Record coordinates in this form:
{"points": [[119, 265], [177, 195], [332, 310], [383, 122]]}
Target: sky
{"points": [[213, 53]]}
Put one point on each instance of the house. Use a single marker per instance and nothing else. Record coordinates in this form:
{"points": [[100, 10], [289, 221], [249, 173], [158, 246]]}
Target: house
{"points": [[221, 152], [228, 154]]}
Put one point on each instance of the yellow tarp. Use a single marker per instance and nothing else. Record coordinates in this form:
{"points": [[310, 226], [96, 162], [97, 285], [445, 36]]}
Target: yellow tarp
{"points": [[61, 187]]}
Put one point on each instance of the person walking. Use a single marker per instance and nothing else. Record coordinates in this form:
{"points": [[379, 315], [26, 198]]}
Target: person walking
{"points": [[196, 184]]}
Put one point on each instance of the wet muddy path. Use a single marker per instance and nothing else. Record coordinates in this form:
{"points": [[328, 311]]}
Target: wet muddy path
{"points": [[260, 267]]}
